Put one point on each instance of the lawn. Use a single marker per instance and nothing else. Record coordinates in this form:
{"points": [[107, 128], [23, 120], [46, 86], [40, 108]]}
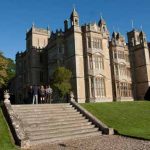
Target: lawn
{"points": [[5, 138], [128, 118]]}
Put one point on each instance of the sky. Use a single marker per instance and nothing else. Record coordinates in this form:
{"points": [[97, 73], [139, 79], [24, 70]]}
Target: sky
{"points": [[16, 16]]}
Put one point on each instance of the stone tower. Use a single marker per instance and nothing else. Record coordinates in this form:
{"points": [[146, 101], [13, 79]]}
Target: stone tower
{"points": [[140, 62], [37, 37], [74, 56]]}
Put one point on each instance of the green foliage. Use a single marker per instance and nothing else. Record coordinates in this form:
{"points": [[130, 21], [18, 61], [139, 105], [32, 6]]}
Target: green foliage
{"points": [[61, 80], [7, 69], [5, 138], [128, 118]]}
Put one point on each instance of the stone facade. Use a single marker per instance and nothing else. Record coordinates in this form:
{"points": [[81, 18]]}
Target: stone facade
{"points": [[103, 69], [120, 68]]}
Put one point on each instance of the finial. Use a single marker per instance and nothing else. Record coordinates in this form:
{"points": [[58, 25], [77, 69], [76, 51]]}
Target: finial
{"points": [[101, 15], [74, 7], [48, 28], [113, 29], [132, 23], [27, 30], [118, 30], [33, 24], [141, 27]]}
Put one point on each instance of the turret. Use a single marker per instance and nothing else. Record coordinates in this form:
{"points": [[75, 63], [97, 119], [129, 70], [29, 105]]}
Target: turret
{"points": [[142, 37], [136, 37], [102, 25], [74, 18]]}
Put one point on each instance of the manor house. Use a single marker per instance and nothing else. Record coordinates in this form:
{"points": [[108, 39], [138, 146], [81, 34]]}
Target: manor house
{"points": [[104, 68]]}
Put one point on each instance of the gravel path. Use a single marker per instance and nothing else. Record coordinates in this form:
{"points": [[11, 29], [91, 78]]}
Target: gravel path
{"points": [[105, 142]]}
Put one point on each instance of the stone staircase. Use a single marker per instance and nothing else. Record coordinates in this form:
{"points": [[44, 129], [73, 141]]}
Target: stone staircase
{"points": [[48, 123]]}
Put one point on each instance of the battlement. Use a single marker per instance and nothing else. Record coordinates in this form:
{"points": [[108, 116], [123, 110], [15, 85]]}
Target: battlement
{"points": [[40, 31]]}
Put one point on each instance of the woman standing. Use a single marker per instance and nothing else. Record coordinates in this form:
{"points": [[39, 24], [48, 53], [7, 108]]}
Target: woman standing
{"points": [[42, 94]]}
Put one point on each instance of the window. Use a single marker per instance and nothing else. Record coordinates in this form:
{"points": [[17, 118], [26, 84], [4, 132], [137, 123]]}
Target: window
{"points": [[96, 43], [96, 62], [124, 89], [90, 62], [127, 57], [99, 62], [89, 42], [100, 87], [120, 54], [122, 70], [116, 70], [115, 54], [76, 21], [104, 29]]}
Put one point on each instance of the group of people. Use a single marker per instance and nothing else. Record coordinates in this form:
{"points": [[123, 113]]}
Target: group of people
{"points": [[40, 94]]}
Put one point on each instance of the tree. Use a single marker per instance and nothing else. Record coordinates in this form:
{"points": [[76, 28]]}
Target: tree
{"points": [[61, 81], [7, 69], [10, 70]]}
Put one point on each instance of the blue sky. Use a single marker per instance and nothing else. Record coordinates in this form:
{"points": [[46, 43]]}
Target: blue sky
{"points": [[16, 16]]}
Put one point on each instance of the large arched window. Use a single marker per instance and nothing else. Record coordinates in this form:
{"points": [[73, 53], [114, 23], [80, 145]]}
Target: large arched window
{"points": [[100, 87]]}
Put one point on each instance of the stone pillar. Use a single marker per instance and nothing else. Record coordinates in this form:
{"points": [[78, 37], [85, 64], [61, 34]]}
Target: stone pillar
{"points": [[90, 92], [94, 85]]}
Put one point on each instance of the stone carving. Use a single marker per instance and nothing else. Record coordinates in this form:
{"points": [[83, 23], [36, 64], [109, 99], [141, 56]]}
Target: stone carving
{"points": [[6, 96], [71, 96]]}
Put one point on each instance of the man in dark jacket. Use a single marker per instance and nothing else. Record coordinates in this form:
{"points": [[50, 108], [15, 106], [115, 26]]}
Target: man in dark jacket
{"points": [[35, 94]]}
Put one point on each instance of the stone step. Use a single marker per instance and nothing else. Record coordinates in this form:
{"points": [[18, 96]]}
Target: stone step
{"points": [[41, 115], [28, 112], [46, 108], [51, 117], [61, 113], [55, 124], [52, 120], [58, 134], [43, 142], [58, 126], [61, 130], [29, 106]]}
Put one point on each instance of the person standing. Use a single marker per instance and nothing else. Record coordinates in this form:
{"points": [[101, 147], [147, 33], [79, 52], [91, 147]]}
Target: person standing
{"points": [[48, 94], [30, 94], [42, 94], [35, 94]]}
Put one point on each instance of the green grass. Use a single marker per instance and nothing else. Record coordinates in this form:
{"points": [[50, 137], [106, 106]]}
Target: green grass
{"points": [[128, 118], [5, 136]]}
